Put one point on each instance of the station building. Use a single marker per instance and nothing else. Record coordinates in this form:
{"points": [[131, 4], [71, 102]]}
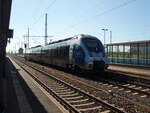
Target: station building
{"points": [[133, 53]]}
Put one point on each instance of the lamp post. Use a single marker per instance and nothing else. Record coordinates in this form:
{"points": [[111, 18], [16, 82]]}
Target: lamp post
{"points": [[104, 34], [110, 36]]}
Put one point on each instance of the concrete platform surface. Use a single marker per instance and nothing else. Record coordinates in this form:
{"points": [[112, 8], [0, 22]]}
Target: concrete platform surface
{"points": [[24, 95], [134, 71]]}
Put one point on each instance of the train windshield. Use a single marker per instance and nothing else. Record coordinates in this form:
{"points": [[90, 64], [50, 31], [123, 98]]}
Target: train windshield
{"points": [[93, 45]]}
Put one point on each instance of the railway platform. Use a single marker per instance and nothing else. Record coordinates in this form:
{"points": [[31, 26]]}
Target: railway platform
{"points": [[133, 71], [24, 95]]}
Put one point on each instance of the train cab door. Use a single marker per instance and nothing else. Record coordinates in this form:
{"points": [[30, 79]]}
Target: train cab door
{"points": [[78, 55]]}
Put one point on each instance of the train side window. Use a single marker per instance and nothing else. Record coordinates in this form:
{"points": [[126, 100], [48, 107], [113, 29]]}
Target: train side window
{"points": [[60, 52], [63, 51], [57, 51], [49, 52], [52, 52], [66, 51]]}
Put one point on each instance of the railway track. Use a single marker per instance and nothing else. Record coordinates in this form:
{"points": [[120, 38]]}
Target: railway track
{"points": [[134, 88], [74, 99], [142, 91], [127, 88]]}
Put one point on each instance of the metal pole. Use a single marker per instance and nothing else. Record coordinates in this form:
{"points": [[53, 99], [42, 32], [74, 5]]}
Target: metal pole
{"points": [[123, 53], [46, 29], [15, 48], [104, 34], [146, 53], [28, 38], [104, 37], [110, 37], [138, 51], [24, 45]]}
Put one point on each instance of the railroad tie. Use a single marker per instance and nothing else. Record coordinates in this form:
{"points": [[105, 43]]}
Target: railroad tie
{"points": [[89, 109], [86, 104], [107, 111], [77, 101], [69, 95]]}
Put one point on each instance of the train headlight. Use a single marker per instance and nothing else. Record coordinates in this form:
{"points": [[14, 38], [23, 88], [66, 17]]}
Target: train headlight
{"points": [[90, 58], [90, 65]]}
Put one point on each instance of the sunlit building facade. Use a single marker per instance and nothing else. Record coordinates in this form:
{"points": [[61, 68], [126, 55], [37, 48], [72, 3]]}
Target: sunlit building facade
{"points": [[133, 53]]}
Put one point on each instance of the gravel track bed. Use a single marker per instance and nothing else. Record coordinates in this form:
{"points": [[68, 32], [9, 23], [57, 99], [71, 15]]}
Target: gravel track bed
{"points": [[111, 98], [48, 81], [130, 95]]}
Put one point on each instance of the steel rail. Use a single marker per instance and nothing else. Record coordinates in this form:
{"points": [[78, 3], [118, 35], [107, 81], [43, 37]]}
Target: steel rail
{"points": [[107, 105]]}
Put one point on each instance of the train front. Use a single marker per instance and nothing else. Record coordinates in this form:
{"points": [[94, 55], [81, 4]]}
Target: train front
{"points": [[95, 57]]}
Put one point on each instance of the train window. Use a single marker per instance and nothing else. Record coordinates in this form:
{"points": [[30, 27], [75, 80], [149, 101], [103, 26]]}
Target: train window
{"points": [[57, 49], [59, 52], [93, 44], [66, 52], [63, 51], [56, 52], [52, 52]]}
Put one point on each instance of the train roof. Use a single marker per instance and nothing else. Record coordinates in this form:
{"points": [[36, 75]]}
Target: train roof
{"points": [[36, 46], [76, 36], [60, 40]]}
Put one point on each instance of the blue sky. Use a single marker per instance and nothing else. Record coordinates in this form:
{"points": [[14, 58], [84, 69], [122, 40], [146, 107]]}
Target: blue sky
{"points": [[127, 19]]}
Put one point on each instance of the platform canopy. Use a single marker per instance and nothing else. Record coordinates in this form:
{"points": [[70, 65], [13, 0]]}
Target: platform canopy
{"points": [[5, 11]]}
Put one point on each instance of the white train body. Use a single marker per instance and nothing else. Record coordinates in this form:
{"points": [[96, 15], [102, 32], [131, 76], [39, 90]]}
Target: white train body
{"points": [[81, 51]]}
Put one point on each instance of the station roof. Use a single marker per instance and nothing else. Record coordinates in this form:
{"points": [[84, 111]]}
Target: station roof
{"points": [[128, 43], [5, 9]]}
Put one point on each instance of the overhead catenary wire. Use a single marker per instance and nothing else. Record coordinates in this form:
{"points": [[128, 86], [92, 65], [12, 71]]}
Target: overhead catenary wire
{"points": [[87, 10], [87, 19], [50, 5], [104, 12], [43, 12]]}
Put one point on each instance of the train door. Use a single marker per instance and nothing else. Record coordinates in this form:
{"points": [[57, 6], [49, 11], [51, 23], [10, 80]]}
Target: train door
{"points": [[78, 55]]}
